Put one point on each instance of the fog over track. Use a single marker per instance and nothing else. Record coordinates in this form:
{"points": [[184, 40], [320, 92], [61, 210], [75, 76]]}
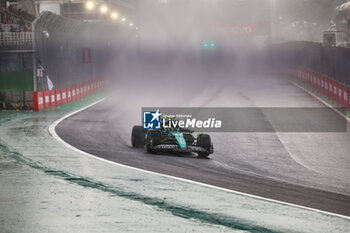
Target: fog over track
{"points": [[309, 169]]}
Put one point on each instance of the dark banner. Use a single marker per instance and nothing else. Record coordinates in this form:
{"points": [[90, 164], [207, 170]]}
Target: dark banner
{"points": [[245, 119]]}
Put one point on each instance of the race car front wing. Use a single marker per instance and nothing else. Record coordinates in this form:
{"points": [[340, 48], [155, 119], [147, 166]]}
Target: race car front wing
{"points": [[191, 148]]}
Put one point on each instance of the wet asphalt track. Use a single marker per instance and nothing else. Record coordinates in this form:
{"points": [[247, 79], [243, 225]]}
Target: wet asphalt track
{"points": [[99, 131]]}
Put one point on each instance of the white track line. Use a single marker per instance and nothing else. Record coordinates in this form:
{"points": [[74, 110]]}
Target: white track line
{"points": [[54, 134]]}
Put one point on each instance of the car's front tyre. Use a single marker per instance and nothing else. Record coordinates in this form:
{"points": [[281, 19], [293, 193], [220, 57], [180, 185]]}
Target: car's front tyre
{"points": [[138, 136], [204, 141]]}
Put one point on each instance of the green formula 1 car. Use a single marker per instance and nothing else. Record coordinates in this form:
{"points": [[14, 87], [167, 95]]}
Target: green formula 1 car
{"points": [[171, 139]]}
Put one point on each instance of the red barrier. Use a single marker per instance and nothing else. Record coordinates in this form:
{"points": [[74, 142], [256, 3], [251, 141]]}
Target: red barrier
{"points": [[64, 96], [53, 98], [73, 93], [38, 101], [92, 87], [28, 107], [69, 95], [88, 88], [345, 98], [308, 77], [340, 95], [85, 90], [47, 99], [335, 92], [58, 97], [319, 87], [82, 91], [330, 89], [314, 81], [348, 103], [303, 76], [78, 92], [325, 83], [323, 89]]}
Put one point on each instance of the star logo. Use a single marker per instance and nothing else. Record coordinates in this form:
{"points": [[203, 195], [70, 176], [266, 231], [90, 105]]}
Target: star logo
{"points": [[152, 120], [156, 115]]}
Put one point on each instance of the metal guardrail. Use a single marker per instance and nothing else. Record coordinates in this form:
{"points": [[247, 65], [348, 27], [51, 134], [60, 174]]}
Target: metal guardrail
{"points": [[15, 38]]}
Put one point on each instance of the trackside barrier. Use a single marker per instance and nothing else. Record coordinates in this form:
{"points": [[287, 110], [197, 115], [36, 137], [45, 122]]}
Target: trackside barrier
{"points": [[58, 97], [73, 93], [346, 97], [335, 91], [54, 98], [319, 87], [348, 103], [91, 88], [330, 92], [322, 85], [326, 87], [69, 95], [47, 99], [340, 95], [28, 106], [85, 90], [81, 91], [64, 95], [38, 101], [78, 92]]}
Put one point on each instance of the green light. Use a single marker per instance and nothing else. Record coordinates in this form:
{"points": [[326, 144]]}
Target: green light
{"points": [[205, 45], [212, 44]]}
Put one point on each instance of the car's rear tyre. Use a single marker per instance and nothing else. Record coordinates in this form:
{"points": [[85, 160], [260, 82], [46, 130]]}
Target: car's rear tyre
{"points": [[138, 136], [203, 140], [153, 140]]}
